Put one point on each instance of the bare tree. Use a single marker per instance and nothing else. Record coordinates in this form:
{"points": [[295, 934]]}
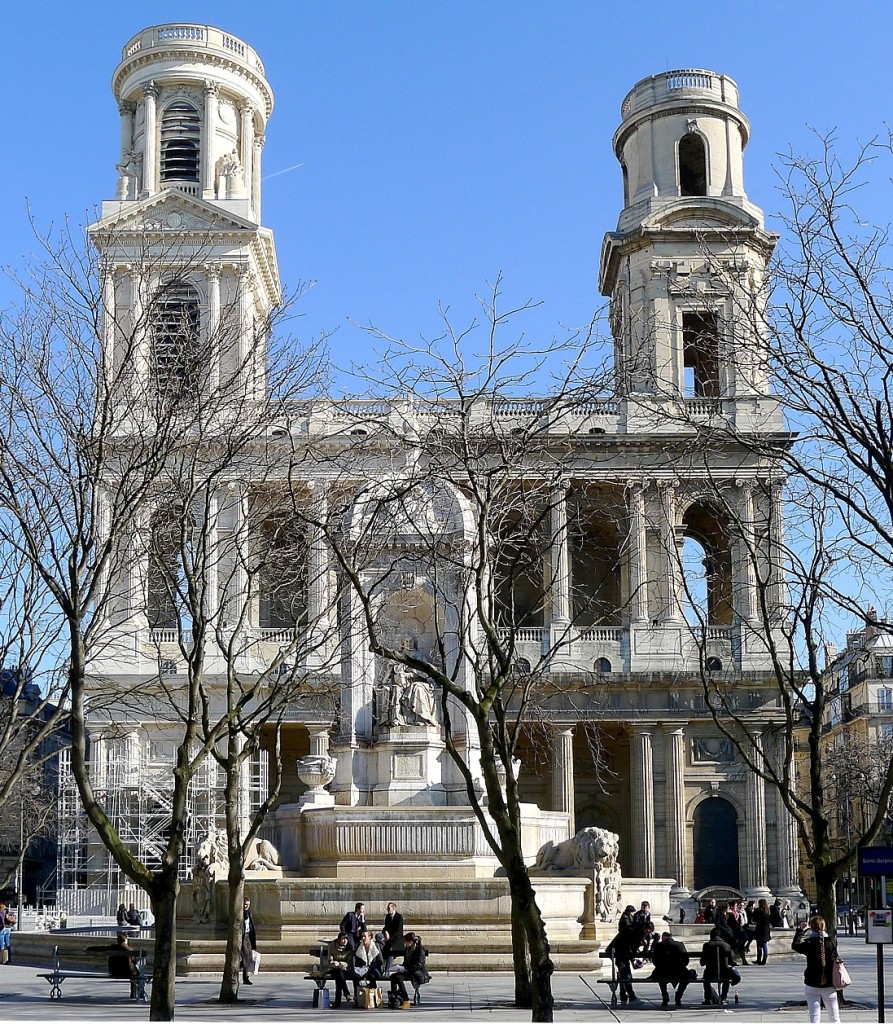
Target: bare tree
{"points": [[446, 514], [112, 416], [826, 326]]}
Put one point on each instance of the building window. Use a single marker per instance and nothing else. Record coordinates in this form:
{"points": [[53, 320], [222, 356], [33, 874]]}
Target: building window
{"points": [[180, 142], [884, 666], [885, 699], [692, 165], [283, 574], [700, 355], [178, 360]]}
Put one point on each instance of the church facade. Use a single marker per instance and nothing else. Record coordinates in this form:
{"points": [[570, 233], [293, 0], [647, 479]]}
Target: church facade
{"points": [[631, 650]]}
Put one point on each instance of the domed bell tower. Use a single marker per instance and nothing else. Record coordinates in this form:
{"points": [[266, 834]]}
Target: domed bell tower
{"points": [[189, 274], [685, 268]]}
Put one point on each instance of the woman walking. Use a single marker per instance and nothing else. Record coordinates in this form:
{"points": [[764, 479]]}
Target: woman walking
{"points": [[820, 950], [762, 931]]}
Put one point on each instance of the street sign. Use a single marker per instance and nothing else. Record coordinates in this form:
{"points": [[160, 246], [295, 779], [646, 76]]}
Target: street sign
{"points": [[879, 926], [876, 860]]}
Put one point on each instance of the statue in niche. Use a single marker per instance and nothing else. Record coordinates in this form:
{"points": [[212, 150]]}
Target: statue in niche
{"points": [[410, 699], [229, 169], [130, 174], [211, 863]]}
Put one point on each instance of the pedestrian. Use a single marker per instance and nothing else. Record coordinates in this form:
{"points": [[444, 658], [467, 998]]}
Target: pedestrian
{"points": [[762, 932], [775, 914], [621, 949], [133, 917], [5, 930], [812, 941], [121, 916], [249, 941], [353, 924]]}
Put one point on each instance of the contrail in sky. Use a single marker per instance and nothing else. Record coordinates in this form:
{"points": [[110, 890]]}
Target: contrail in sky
{"points": [[276, 174]]}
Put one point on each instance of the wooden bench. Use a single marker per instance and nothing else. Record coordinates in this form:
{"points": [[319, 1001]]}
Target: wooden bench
{"points": [[59, 974]]}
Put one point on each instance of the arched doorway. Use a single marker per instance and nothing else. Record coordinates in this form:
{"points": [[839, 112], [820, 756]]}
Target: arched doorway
{"points": [[716, 844]]}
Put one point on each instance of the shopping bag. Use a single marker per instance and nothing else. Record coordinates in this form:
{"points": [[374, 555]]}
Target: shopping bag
{"points": [[255, 961], [840, 976]]}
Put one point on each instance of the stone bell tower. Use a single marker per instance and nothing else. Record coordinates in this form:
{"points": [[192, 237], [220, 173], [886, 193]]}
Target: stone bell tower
{"points": [[684, 269], [189, 273]]}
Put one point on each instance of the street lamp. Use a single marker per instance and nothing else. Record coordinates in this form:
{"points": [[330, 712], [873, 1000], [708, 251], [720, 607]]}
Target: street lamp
{"points": [[23, 792]]}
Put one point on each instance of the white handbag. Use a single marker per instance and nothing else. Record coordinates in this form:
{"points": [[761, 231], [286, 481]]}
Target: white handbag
{"points": [[255, 961]]}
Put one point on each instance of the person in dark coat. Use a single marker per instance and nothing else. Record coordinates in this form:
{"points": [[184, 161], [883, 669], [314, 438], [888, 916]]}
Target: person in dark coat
{"points": [[670, 959], [415, 968], [122, 960], [762, 932], [820, 950], [775, 915], [719, 963], [393, 932], [340, 966], [622, 949], [249, 941], [354, 923]]}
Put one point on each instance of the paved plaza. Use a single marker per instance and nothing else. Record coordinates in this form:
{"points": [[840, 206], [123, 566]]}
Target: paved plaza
{"points": [[763, 994]]}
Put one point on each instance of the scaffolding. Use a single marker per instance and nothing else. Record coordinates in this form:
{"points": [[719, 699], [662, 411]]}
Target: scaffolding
{"points": [[136, 789]]}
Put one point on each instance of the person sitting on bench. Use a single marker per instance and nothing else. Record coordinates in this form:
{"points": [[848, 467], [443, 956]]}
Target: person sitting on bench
{"points": [[670, 959], [368, 965], [340, 965], [718, 962], [414, 967], [122, 960]]}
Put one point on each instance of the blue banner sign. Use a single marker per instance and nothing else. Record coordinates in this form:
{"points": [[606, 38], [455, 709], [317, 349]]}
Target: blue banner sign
{"points": [[876, 860]]}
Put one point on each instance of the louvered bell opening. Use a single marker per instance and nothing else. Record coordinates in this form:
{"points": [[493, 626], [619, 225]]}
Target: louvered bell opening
{"points": [[178, 358], [180, 143]]}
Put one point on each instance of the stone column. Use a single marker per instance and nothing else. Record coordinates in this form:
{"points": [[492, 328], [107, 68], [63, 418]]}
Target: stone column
{"points": [[126, 112], [638, 570], [150, 157], [642, 803], [559, 567], [677, 862], [319, 591], [670, 545], [563, 772], [787, 857], [212, 271], [776, 549], [212, 93], [245, 341], [746, 550], [755, 867], [109, 319], [255, 176], [246, 155]]}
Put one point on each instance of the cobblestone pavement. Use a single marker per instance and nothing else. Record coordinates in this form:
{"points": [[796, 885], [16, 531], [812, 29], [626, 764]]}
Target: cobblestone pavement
{"points": [[764, 995]]}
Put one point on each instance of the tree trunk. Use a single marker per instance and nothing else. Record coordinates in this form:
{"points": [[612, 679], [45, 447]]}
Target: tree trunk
{"points": [[235, 894], [520, 960], [528, 914], [164, 967], [826, 896]]}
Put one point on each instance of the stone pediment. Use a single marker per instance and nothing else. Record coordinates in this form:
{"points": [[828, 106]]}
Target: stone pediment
{"points": [[172, 210]]}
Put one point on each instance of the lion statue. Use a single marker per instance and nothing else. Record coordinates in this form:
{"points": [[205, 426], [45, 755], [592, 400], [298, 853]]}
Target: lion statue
{"points": [[591, 851]]}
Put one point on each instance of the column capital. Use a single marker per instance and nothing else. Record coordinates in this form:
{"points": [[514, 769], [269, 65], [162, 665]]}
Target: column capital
{"points": [[212, 89], [150, 90], [246, 108], [126, 108], [259, 140], [212, 271]]}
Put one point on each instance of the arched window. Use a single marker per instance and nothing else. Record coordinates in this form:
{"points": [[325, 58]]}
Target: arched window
{"points": [[602, 666], [178, 361], [692, 166], [706, 567], [181, 128]]}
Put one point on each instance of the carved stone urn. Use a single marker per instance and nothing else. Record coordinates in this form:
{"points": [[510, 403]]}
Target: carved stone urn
{"points": [[316, 771]]}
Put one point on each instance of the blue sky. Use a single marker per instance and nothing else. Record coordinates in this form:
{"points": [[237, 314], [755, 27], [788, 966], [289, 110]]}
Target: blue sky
{"points": [[440, 143]]}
